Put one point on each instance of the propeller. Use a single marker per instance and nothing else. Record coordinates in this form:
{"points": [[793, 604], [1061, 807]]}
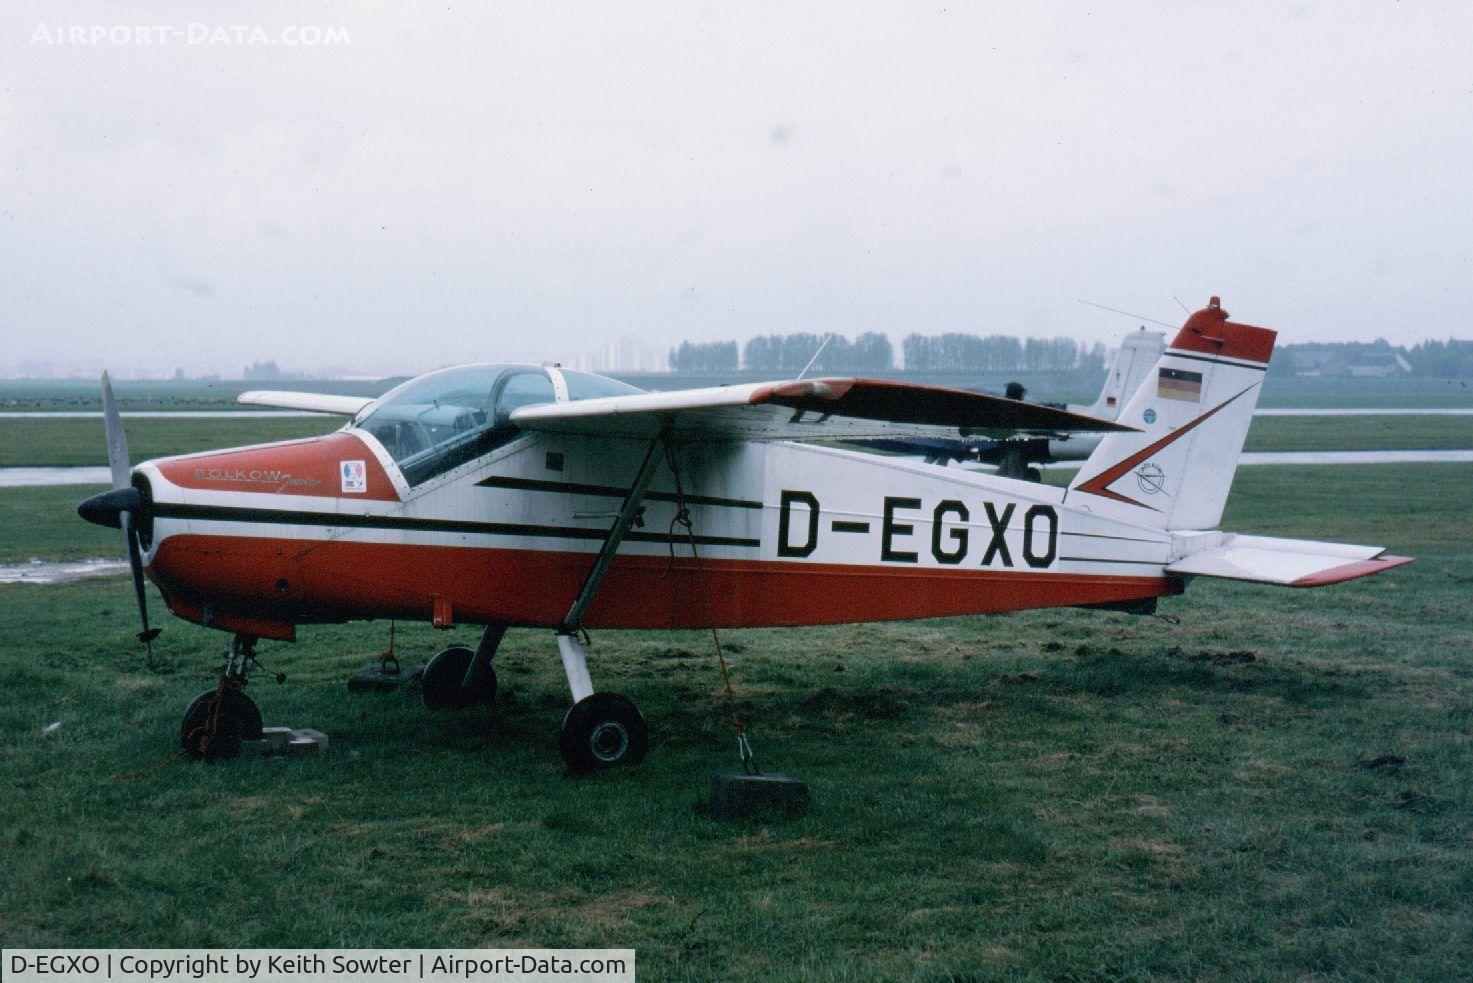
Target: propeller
{"points": [[120, 507]]}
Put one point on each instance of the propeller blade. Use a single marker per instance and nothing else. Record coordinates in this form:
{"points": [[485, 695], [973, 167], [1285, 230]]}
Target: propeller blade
{"points": [[135, 563], [125, 506], [117, 441]]}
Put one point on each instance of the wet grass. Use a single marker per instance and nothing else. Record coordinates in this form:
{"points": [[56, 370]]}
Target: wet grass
{"points": [[41, 523], [161, 394], [1260, 783]]}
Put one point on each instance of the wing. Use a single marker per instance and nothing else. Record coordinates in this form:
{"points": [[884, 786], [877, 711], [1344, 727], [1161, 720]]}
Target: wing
{"points": [[813, 409], [316, 402]]}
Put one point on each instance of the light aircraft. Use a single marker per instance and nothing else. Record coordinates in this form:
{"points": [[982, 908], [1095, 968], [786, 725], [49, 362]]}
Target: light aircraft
{"points": [[527, 495], [1015, 456]]}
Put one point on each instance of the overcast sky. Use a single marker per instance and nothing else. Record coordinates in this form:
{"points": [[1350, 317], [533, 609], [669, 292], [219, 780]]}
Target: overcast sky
{"points": [[483, 181]]}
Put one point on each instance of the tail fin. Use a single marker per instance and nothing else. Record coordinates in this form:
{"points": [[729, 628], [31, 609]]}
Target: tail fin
{"points": [[1193, 412], [1138, 352]]}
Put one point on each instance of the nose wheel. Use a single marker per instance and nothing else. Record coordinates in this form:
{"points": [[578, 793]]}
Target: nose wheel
{"points": [[219, 719], [216, 723]]}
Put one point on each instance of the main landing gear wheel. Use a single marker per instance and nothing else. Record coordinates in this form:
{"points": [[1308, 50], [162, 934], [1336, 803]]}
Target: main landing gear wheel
{"points": [[602, 731], [214, 733], [441, 685]]}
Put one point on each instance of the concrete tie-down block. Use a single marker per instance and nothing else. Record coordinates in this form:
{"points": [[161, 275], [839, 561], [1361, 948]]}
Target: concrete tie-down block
{"points": [[284, 741]]}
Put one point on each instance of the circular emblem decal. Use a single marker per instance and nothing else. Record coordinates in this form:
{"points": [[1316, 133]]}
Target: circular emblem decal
{"points": [[1149, 416], [1151, 478]]}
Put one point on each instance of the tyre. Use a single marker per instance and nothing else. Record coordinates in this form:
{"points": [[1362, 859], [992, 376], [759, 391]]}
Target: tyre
{"points": [[213, 735], [603, 731], [440, 684]]}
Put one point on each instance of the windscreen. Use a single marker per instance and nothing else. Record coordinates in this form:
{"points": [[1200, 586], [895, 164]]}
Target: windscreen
{"points": [[442, 420]]}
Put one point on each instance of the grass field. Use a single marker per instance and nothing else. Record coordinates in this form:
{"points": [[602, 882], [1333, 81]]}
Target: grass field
{"points": [[1359, 433], [78, 442], [184, 394], [1418, 393], [1062, 794], [41, 523]]}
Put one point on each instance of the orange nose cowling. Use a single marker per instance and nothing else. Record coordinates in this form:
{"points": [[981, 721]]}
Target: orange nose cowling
{"points": [[244, 579], [338, 465]]}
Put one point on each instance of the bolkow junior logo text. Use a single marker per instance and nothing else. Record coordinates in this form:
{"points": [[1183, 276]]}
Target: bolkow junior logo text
{"points": [[255, 476]]}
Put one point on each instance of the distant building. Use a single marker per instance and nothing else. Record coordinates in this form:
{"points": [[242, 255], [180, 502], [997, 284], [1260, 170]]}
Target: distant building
{"points": [[628, 354], [35, 369], [1314, 364]]}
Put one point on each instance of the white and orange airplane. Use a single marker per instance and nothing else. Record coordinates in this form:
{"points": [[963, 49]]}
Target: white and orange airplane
{"points": [[526, 495]]}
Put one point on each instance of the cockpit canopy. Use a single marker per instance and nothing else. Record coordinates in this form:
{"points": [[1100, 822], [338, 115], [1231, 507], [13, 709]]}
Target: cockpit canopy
{"points": [[446, 418]]}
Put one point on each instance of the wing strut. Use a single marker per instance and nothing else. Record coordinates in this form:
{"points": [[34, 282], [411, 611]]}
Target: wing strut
{"points": [[632, 501], [575, 659]]}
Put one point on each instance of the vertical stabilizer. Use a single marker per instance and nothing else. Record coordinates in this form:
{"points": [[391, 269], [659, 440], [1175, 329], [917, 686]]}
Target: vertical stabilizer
{"points": [[1193, 410], [1138, 353]]}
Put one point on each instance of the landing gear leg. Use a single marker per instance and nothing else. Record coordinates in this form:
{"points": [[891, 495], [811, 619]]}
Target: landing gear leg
{"points": [[602, 730], [459, 677], [1011, 465], [219, 719], [1014, 465], [480, 678]]}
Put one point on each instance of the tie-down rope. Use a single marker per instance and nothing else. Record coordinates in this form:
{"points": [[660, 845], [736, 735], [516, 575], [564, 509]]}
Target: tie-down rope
{"points": [[682, 518]]}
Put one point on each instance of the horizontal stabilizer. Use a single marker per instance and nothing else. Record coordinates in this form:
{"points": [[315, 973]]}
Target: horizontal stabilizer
{"points": [[1291, 562], [314, 402], [811, 409]]}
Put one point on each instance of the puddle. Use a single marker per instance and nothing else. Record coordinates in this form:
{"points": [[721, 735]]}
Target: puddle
{"points": [[40, 572], [35, 477]]}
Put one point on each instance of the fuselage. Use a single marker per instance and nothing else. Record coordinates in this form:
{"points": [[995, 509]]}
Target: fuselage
{"points": [[263, 538]]}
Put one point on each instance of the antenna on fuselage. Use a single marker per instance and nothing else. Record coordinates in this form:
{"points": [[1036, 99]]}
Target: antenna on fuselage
{"points": [[826, 339]]}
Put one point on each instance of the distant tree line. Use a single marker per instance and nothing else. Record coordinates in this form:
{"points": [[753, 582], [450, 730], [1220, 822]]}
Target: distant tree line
{"points": [[1449, 359], [264, 371], [258, 371], [956, 351], [872, 352], [708, 356], [1000, 353]]}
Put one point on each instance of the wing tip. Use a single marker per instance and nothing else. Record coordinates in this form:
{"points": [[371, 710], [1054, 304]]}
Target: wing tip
{"points": [[1351, 571]]}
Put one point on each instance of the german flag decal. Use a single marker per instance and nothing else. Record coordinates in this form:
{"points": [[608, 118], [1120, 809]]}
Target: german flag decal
{"points": [[1179, 384]]}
